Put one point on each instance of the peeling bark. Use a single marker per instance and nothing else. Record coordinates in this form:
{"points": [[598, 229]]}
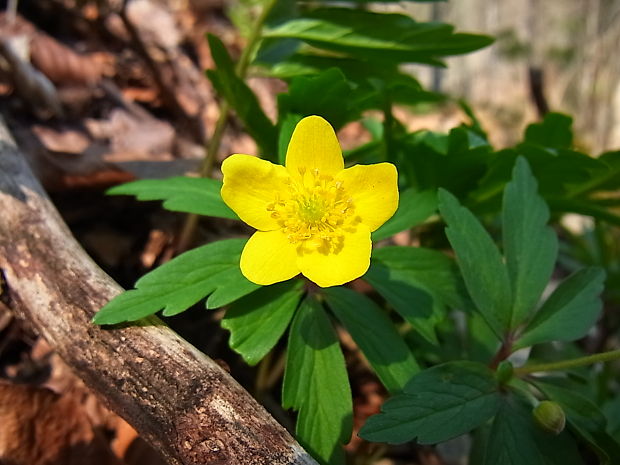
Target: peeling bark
{"points": [[177, 398]]}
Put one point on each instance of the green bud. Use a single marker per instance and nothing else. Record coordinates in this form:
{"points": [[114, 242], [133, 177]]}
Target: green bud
{"points": [[504, 372], [550, 416]]}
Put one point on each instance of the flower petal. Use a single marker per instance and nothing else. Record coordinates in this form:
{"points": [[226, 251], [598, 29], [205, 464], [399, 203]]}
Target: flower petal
{"points": [[269, 257], [314, 145], [334, 268], [373, 190], [250, 185]]}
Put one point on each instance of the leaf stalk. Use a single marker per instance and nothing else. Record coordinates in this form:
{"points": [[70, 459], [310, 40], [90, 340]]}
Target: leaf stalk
{"points": [[570, 363]]}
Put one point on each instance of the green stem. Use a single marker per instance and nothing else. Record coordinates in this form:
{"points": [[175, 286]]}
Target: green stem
{"points": [[216, 140], [206, 167], [565, 364], [253, 39], [388, 125], [241, 69]]}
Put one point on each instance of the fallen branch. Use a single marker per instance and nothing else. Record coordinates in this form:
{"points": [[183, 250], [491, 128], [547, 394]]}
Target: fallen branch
{"points": [[182, 402]]}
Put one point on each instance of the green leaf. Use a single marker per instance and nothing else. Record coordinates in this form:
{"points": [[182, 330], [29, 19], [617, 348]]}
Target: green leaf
{"points": [[438, 404], [257, 321], [586, 207], [569, 312], [455, 162], [316, 384], [375, 335], [327, 94], [516, 440], [241, 99], [554, 131], [560, 173], [211, 270], [530, 246], [180, 194], [367, 35], [415, 305], [306, 63], [483, 269], [418, 283], [413, 208], [287, 126]]}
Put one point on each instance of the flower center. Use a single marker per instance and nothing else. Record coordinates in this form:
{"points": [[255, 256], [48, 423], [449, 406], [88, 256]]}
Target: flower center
{"points": [[316, 211]]}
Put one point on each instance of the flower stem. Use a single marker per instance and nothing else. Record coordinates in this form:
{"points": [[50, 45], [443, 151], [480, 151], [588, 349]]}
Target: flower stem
{"points": [[206, 167], [241, 70], [571, 363], [388, 125]]}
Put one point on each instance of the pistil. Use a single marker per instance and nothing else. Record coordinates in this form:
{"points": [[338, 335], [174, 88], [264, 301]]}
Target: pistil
{"points": [[315, 211]]}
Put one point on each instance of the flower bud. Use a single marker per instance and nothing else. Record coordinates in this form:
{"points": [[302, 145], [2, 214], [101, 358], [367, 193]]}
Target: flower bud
{"points": [[550, 416], [504, 372]]}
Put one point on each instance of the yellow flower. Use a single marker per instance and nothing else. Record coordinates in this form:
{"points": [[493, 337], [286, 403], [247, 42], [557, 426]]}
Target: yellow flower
{"points": [[313, 216]]}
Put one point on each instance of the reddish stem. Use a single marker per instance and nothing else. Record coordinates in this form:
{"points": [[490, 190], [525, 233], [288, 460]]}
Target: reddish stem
{"points": [[502, 353]]}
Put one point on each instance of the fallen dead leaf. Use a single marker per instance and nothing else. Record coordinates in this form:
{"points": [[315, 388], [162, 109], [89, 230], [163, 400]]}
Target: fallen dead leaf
{"points": [[39, 427]]}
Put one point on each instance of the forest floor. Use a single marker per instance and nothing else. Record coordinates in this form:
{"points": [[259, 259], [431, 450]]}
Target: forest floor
{"points": [[96, 97]]}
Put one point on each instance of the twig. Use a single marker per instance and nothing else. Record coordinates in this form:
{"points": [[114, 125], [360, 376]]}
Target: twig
{"points": [[177, 398]]}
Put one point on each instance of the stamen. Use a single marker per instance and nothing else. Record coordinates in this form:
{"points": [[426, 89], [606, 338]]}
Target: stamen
{"points": [[314, 213]]}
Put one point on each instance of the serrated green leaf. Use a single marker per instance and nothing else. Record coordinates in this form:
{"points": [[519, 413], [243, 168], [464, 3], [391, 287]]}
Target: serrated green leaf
{"points": [[530, 246], [316, 384], [180, 194], [327, 94], [211, 270], [415, 305], [305, 63], [483, 269], [455, 161], [413, 208], [257, 321], [569, 312], [383, 37], [417, 283], [482, 343], [438, 404], [516, 440], [241, 99], [554, 131], [560, 173], [375, 335]]}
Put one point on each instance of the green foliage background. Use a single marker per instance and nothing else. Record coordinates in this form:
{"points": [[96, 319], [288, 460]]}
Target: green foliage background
{"points": [[444, 317]]}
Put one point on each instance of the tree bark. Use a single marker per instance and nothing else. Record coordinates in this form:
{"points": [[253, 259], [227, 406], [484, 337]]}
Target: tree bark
{"points": [[178, 399]]}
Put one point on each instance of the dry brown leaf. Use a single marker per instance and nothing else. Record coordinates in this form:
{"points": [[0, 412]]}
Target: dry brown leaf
{"points": [[67, 140], [156, 244], [39, 427], [63, 66]]}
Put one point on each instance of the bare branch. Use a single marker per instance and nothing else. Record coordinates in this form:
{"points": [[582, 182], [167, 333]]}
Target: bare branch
{"points": [[181, 401]]}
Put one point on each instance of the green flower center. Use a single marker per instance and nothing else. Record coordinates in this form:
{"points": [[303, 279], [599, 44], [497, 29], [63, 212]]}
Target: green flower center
{"points": [[311, 210]]}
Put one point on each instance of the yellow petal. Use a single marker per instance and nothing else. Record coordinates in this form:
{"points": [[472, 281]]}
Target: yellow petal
{"points": [[250, 185], [332, 269], [269, 257], [314, 145], [373, 190]]}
